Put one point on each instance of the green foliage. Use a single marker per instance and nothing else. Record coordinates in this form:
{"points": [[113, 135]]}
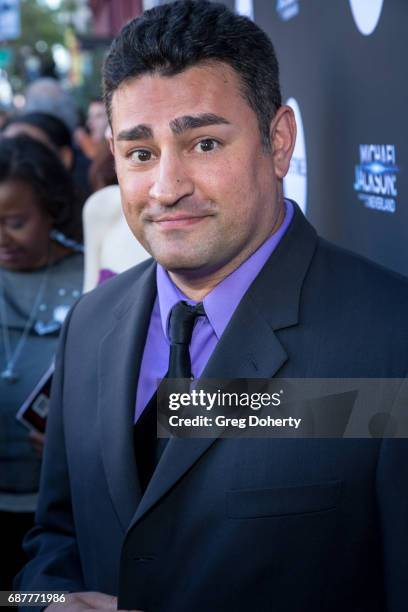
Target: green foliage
{"points": [[39, 22]]}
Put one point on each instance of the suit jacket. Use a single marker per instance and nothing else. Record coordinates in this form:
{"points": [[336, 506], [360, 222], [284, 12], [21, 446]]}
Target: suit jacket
{"points": [[230, 524]]}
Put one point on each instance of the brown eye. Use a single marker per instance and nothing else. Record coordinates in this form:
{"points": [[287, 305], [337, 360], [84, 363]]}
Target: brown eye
{"points": [[141, 156], [207, 145]]}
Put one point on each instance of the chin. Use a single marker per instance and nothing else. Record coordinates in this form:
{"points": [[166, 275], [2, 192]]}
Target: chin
{"points": [[181, 263], [11, 265], [176, 256], [179, 266]]}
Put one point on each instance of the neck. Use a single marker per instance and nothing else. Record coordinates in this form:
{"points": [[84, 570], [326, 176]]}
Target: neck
{"points": [[196, 285]]}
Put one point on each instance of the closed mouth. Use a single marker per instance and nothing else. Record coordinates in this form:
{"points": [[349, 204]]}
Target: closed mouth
{"points": [[7, 254], [178, 221]]}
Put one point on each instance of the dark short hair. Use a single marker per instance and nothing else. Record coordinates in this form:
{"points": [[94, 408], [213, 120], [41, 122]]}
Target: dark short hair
{"points": [[53, 127], [170, 38], [24, 159]]}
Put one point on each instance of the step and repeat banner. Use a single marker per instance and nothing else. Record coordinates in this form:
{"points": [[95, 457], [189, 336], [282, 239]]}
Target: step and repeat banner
{"points": [[344, 71]]}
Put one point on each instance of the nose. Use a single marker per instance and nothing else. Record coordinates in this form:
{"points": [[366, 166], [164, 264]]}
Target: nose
{"points": [[171, 180]]}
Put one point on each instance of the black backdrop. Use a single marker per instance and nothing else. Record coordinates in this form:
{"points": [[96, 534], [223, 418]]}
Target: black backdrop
{"points": [[351, 89]]}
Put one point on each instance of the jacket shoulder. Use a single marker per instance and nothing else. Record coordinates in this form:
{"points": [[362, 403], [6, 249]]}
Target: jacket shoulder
{"points": [[111, 295]]}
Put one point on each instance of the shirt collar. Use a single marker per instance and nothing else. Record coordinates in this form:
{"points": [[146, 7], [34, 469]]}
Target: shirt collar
{"points": [[222, 301]]}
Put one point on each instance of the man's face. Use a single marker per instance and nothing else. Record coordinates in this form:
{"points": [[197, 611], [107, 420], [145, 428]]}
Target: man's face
{"points": [[198, 190]]}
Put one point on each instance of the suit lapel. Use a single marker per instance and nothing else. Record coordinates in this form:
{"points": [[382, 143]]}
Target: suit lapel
{"points": [[119, 359], [249, 347]]}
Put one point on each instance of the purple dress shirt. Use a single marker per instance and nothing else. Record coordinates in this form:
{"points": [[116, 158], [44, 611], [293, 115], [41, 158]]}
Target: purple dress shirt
{"points": [[219, 306]]}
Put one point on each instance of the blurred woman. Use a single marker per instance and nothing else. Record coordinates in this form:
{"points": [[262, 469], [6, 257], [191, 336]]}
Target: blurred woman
{"points": [[40, 279], [54, 133]]}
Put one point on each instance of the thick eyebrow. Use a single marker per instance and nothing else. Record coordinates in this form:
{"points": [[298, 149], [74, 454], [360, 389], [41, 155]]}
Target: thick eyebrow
{"points": [[177, 126], [190, 122], [138, 132]]}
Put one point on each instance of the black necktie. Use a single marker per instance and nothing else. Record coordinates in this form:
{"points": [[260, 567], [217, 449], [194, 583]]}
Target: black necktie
{"points": [[182, 319], [148, 448]]}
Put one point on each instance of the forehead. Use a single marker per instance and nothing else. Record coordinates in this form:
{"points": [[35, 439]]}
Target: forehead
{"points": [[17, 197], [153, 99]]}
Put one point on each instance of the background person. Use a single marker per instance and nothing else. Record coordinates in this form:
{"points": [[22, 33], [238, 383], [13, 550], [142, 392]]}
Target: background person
{"points": [[92, 140], [102, 169], [110, 247], [39, 281], [46, 128], [52, 131], [47, 95], [97, 120]]}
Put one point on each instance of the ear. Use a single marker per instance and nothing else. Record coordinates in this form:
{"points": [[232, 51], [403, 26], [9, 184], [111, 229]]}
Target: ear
{"points": [[67, 157], [109, 138], [283, 138]]}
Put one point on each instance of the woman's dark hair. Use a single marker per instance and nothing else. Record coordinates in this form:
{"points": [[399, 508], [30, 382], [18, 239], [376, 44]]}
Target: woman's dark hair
{"points": [[55, 129], [24, 159], [102, 169], [169, 39]]}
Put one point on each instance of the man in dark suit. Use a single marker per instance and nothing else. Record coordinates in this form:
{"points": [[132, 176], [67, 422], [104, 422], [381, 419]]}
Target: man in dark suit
{"points": [[201, 145]]}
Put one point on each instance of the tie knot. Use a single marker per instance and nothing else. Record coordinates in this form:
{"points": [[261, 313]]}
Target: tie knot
{"points": [[182, 319]]}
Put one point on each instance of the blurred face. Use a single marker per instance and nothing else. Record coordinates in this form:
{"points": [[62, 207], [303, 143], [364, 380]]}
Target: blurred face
{"points": [[198, 190], [24, 228], [97, 121]]}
